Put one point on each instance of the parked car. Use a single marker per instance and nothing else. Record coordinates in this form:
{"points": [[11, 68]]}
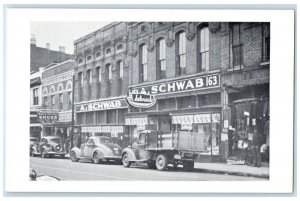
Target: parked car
{"points": [[98, 149], [34, 177], [33, 142], [48, 146]]}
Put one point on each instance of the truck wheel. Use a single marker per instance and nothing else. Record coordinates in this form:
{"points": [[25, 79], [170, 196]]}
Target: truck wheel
{"points": [[161, 162], [125, 160], [96, 159], [73, 157], [188, 165]]}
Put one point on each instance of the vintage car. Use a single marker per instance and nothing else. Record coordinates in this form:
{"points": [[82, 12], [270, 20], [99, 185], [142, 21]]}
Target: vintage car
{"points": [[98, 149], [48, 146], [33, 142]]}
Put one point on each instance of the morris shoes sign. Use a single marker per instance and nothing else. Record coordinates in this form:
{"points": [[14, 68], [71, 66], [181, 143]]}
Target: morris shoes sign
{"points": [[140, 98]]}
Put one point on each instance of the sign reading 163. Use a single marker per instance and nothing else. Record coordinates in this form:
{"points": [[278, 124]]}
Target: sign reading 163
{"points": [[211, 80]]}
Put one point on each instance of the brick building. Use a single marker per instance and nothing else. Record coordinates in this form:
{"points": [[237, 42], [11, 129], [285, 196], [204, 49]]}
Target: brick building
{"points": [[57, 89], [210, 78]]}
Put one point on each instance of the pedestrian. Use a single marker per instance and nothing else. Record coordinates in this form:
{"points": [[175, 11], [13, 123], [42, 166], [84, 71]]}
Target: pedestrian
{"points": [[255, 150]]}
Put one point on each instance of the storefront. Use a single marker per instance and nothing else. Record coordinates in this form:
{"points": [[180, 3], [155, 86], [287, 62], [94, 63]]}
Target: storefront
{"points": [[102, 118], [192, 104]]}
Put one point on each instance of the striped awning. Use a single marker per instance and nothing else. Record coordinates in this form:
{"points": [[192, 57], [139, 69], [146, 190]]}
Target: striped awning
{"points": [[197, 118], [136, 121]]}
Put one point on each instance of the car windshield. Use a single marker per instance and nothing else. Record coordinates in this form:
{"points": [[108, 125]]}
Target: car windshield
{"points": [[54, 140], [105, 141]]}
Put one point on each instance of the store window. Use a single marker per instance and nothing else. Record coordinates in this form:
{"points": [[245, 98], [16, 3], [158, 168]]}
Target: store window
{"points": [[210, 99], [121, 116], [180, 53], [61, 101], [237, 46], [111, 116], [143, 63], [161, 58], [90, 118], [203, 40], [81, 118], [187, 102], [100, 117], [166, 104], [36, 96]]}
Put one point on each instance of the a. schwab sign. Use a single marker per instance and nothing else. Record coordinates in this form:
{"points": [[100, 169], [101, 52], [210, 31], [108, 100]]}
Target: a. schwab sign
{"points": [[101, 105], [189, 84]]}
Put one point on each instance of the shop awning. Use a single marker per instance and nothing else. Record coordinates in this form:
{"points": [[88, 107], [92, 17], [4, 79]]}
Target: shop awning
{"points": [[102, 129], [136, 121], [197, 118]]}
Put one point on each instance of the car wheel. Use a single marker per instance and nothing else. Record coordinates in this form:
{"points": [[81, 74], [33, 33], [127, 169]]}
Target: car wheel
{"points": [[125, 161], [161, 162], [73, 157], [96, 159], [44, 154], [188, 165]]}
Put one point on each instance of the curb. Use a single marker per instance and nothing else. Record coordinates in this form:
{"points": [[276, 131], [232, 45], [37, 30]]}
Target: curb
{"points": [[233, 173]]}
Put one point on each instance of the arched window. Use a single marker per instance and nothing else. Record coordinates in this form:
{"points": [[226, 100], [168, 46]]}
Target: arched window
{"points": [[161, 58], [108, 74], [98, 72], [98, 54], [120, 66], [89, 58], [89, 76], [80, 61], [203, 51], [52, 89], [69, 86], [60, 87], [143, 63], [119, 47], [80, 79], [107, 51], [180, 53]]}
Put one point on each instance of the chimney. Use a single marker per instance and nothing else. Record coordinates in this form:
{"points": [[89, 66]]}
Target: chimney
{"points": [[62, 49], [48, 46], [32, 40]]}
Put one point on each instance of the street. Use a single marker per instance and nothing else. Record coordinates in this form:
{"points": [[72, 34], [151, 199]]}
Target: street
{"points": [[65, 169]]}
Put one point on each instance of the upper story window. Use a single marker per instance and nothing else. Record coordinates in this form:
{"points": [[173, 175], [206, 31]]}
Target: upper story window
{"points": [[89, 77], [237, 46], [88, 58], [80, 79], [180, 53], [98, 54], [69, 100], [80, 61], [61, 99], [266, 41], [143, 28], [107, 51], [108, 71], [119, 47], [160, 24], [143, 63], [120, 66], [36, 96], [52, 101], [203, 40], [98, 72], [161, 58]]}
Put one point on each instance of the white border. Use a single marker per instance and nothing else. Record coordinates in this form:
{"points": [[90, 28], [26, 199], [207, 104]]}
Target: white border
{"points": [[17, 99]]}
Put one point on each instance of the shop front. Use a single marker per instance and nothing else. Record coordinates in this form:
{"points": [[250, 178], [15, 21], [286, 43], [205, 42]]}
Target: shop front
{"points": [[102, 118], [190, 105]]}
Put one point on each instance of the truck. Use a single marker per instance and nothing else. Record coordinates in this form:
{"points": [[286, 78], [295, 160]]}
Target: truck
{"points": [[158, 150]]}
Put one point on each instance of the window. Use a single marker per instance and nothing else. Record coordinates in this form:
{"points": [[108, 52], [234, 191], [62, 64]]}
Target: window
{"points": [[108, 74], [61, 101], [107, 51], [80, 80], [36, 96], [266, 41], [160, 24], [52, 101], [99, 79], [203, 40], [166, 104], [70, 100], [111, 116], [143, 62], [143, 28], [119, 47], [161, 59], [142, 138], [210, 99], [80, 61], [45, 100], [181, 53], [89, 58], [120, 77], [237, 47], [89, 77], [90, 118], [187, 102], [98, 54]]}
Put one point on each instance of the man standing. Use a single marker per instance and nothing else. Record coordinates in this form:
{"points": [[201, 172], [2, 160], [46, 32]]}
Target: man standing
{"points": [[255, 150]]}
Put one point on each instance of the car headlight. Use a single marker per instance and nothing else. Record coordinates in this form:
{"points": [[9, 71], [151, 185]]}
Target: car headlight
{"points": [[57, 148]]}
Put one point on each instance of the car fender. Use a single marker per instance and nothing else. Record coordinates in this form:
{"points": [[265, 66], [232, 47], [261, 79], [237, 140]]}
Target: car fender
{"points": [[101, 153], [130, 153], [77, 152]]}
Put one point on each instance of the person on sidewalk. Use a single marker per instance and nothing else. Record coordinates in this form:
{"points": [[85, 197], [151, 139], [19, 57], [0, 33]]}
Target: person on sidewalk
{"points": [[255, 150]]}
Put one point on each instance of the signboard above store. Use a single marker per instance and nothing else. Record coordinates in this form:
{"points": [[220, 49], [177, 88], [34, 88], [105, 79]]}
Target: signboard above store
{"points": [[140, 98], [101, 105], [48, 117], [189, 84]]}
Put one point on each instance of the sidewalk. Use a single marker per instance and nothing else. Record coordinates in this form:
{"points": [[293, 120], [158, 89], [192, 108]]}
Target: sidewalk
{"points": [[240, 170]]}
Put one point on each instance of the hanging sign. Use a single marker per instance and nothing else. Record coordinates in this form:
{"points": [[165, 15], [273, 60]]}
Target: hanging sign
{"points": [[140, 98]]}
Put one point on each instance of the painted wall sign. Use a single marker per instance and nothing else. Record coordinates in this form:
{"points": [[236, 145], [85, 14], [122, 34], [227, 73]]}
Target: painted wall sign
{"points": [[140, 98], [101, 105], [47, 117], [191, 84]]}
